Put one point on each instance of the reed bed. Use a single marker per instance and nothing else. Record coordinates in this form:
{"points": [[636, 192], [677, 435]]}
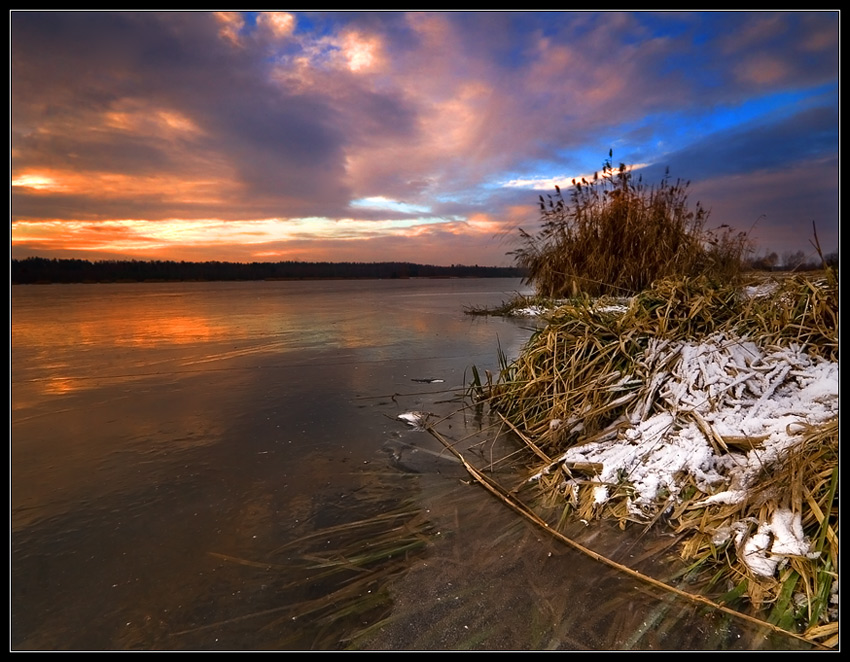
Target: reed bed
{"points": [[614, 234], [598, 369]]}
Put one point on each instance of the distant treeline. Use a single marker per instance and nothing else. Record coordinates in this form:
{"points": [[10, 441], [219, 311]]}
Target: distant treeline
{"points": [[44, 270]]}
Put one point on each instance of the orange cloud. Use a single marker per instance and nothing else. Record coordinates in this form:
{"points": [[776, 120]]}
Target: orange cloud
{"points": [[137, 235], [38, 181], [362, 52], [110, 185], [280, 23], [138, 117], [276, 239], [230, 24]]}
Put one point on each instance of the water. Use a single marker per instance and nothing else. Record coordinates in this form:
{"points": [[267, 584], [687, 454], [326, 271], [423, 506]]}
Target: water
{"points": [[188, 460], [153, 424]]}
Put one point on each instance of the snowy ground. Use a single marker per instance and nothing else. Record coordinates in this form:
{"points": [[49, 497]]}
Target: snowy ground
{"points": [[722, 390]]}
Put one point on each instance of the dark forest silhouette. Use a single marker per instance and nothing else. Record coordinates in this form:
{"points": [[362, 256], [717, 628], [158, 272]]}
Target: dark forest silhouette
{"points": [[44, 270]]}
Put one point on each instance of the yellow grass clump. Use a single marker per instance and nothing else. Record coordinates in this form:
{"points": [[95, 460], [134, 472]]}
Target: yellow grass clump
{"points": [[615, 234]]}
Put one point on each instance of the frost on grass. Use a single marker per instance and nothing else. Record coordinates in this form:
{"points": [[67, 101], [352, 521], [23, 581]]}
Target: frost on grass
{"points": [[765, 548], [714, 415], [616, 306]]}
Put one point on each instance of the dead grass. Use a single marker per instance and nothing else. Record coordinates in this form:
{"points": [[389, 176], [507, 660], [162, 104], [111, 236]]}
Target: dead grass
{"points": [[579, 377], [617, 235]]}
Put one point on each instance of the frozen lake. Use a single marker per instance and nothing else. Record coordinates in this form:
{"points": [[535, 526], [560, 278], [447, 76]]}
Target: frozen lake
{"points": [[179, 452]]}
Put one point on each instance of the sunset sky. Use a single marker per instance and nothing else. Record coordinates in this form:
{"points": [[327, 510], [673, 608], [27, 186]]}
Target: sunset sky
{"points": [[423, 137]]}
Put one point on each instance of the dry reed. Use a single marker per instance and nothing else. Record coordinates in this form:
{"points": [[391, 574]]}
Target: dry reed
{"points": [[616, 235]]}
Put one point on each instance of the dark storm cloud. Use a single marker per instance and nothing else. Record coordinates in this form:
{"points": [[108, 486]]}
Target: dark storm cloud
{"points": [[810, 135], [71, 68]]}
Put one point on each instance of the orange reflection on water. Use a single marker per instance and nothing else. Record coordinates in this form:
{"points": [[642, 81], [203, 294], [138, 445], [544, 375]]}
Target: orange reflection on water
{"points": [[62, 385], [178, 330], [83, 343]]}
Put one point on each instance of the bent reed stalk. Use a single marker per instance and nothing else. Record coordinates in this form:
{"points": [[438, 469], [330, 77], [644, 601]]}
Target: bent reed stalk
{"points": [[517, 505]]}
